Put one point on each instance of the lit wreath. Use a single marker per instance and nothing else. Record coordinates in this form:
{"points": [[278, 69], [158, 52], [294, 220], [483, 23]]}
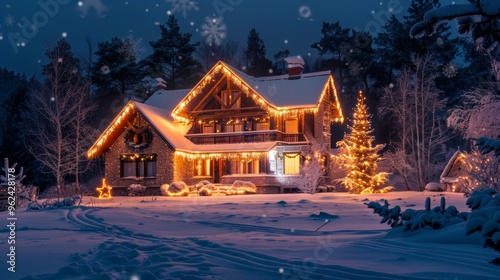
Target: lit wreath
{"points": [[140, 140]]}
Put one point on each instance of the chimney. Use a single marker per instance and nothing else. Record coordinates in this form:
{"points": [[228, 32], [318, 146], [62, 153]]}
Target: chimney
{"points": [[161, 85], [295, 67]]}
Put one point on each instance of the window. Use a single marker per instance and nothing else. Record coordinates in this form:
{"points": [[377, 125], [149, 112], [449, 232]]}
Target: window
{"points": [[291, 163], [244, 167], [208, 128], [292, 126], [138, 165], [202, 167], [262, 126]]}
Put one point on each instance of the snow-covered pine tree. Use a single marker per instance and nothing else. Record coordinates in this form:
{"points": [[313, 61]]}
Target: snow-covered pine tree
{"points": [[358, 155]]}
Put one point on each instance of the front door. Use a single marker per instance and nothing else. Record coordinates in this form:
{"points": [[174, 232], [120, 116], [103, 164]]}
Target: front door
{"points": [[216, 171]]}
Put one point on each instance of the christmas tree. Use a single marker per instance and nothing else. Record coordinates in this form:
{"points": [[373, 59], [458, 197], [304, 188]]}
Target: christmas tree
{"points": [[359, 157]]}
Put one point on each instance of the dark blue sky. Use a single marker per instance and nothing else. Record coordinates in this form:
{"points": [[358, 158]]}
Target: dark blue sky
{"points": [[282, 24]]}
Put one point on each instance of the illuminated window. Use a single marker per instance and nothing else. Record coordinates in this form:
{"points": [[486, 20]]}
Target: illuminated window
{"points": [[202, 167], [291, 163], [208, 128], [244, 167], [138, 165], [292, 126], [262, 126]]}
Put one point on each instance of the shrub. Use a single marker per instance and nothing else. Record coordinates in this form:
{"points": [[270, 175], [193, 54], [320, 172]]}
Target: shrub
{"points": [[177, 189], [243, 187], [136, 190], [485, 218]]}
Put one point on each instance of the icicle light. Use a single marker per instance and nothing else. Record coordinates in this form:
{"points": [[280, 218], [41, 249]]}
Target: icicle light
{"points": [[249, 91]]}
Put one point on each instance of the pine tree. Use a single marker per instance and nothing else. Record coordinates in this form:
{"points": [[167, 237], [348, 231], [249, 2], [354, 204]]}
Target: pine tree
{"points": [[358, 155], [173, 57], [255, 55], [116, 68]]}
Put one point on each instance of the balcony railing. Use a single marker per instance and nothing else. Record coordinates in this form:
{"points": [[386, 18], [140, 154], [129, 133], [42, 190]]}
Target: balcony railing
{"points": [[244, 137]]}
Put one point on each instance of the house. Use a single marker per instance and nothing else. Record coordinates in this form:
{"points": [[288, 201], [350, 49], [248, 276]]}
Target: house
{"points": [[453, 172], [230, 126]]}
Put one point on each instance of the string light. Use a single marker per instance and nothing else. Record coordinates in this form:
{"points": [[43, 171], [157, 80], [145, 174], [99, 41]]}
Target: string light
{"points": [[248, 91], [105, 190]]}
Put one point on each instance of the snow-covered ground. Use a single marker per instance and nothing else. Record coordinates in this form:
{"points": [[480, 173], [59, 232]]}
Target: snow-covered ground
{"points": [[241, 237]]}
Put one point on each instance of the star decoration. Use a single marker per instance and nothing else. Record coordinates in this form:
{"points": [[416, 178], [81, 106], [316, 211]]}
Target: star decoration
{"points": [[105, 190]]}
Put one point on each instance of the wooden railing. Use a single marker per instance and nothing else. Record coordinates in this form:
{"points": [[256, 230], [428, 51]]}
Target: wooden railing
{"points": [[244, 137]]}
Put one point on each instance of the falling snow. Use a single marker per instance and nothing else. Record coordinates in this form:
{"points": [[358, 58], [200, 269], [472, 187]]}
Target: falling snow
{"points": [[9, 20], [355, 68], [183, 6], [97, 5], [105, 69], [450, 70], [213, 30], [305, 11]]}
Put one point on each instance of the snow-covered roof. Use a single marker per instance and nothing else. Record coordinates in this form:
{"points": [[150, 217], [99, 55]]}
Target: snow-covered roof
{"points": [[174, 134], [282, 92], [449, 165], [167, 99]]}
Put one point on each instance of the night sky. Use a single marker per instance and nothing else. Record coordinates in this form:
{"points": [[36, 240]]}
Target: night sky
{"points": [[282, 24]]}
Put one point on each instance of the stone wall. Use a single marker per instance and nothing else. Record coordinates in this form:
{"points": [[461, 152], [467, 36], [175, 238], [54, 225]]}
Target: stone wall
{"points": [[164, 164]]}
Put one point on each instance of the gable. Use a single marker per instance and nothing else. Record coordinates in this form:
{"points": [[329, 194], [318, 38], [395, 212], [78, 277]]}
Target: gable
{"points": [[276, 95]]}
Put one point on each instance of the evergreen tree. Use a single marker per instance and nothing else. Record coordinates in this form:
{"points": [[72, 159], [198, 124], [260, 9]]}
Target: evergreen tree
{"points": [[334, 42], [358, 155], [116, 69], [173, 57], [255, 56], [279, 66], [390, 51]]}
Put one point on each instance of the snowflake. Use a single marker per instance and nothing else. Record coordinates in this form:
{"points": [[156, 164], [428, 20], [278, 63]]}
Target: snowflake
{"points": [[183, 5], [305, 11], [213, 30], [355, 68], [9, 20], [450, 70], [97, 5], [272, 90]]}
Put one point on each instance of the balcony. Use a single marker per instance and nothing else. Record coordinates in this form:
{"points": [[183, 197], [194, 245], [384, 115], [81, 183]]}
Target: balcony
{"points": [[245, 137]]}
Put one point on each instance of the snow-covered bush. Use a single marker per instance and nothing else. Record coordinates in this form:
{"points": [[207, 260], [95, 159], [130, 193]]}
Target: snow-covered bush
{"points": [[136, 190], [391, 216], [243, 187], [482, 170], [163, 189], [206, 190], [485, 218], [66, 202], [177, 189], [410, 219]]}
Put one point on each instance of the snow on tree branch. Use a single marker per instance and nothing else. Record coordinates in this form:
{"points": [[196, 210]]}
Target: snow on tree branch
{"points": [[478, 19]]}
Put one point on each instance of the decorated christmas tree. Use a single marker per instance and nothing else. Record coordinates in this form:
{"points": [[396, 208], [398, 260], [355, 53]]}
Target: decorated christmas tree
{"points": [[358, 156]]}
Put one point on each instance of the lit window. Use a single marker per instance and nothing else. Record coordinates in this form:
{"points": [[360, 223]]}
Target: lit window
{"points": [[291, 164], [208, 128], [202, 167], [244, 167], [292, 126], [138, 165]]}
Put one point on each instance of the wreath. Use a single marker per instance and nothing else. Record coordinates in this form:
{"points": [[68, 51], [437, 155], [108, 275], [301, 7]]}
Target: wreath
{"points": [[141, 140]]}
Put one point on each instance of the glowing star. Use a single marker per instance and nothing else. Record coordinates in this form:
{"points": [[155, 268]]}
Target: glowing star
{"points": [[213, 30], [97, 5], [105, 190], [182, 6]]}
